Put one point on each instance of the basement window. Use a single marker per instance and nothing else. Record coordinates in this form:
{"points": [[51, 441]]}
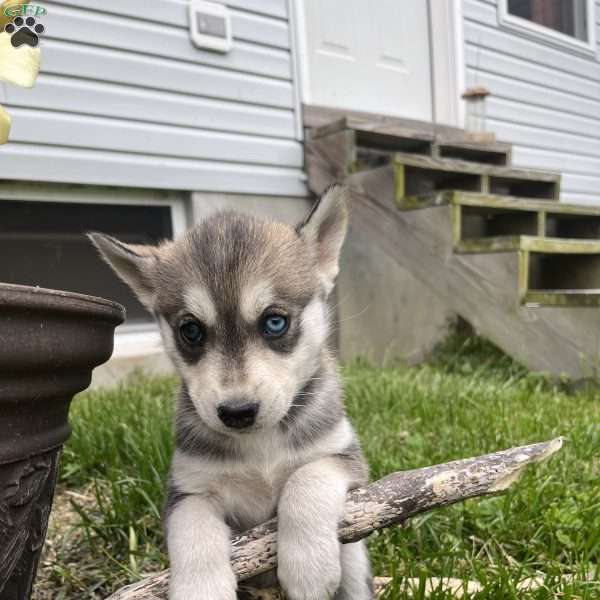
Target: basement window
{"points": [[567, 23], [43, 243]]}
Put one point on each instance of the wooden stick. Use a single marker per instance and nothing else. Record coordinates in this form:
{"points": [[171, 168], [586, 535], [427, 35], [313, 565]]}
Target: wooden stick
{"points": [[389, 501]]}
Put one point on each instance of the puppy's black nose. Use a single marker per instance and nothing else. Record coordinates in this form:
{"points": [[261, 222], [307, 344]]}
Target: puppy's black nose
{"points": [[238, 415]]}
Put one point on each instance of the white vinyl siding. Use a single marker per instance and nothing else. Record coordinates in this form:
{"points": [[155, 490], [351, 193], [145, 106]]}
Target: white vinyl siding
{"points": [[124, 98], [545, 99]]}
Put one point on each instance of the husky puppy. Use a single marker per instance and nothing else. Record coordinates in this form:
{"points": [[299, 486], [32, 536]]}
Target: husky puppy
{"points": [[260, 424]]}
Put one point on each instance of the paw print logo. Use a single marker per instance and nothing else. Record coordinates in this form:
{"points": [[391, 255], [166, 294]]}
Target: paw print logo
{"points": [[24, 31]]}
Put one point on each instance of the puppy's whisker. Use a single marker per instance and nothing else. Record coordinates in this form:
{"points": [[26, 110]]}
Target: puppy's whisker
{"points": [[338, 322]]}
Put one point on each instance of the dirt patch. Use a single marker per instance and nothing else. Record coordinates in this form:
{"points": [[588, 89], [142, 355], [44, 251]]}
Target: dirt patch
{"points": [[64, 552]]}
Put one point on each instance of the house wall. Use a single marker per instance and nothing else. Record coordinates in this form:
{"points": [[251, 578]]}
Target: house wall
{"points": [[124, 98], [545, 99]]}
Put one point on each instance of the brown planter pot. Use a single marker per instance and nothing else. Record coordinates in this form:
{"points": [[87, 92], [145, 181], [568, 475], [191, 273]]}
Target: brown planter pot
{"points": [[49, 343]]}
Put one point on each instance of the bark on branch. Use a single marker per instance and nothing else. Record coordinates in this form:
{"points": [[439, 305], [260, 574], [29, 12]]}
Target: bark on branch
{"points": [[389, 501]]}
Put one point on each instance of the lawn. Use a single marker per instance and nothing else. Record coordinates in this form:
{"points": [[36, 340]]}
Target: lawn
{"points": [[470, 399]]}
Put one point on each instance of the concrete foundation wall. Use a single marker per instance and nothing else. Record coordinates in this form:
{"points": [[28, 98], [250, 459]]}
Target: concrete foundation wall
{"points": [[383, 311], [280, 208], [119, 368]]}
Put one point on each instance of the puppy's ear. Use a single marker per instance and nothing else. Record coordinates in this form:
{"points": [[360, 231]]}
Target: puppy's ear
{"points": [[325, 229], [134, 264]]}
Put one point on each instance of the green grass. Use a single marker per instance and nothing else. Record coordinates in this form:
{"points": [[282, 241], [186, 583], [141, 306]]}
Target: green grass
{"points": [[469, 400]]}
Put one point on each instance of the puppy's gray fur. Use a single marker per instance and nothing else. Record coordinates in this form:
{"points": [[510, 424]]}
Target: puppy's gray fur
{"points": [[301, 456]]}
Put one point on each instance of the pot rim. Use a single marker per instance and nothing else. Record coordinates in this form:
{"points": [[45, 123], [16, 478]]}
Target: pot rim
{"points": [[26, 296]]}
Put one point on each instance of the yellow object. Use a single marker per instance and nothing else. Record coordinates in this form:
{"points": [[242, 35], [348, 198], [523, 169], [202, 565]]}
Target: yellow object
{"points": [[5, 122], [4, 19], [18, 65]]}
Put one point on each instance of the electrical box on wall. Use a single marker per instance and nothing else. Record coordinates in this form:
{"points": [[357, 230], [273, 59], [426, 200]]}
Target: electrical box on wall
{"points": [[210, 26]]}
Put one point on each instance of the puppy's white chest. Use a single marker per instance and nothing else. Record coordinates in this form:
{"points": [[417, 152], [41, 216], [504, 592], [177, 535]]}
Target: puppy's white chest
{"points": [[251, 498], [247, 490]]}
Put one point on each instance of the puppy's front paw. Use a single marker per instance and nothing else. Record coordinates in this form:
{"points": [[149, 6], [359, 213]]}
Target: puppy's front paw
{"points": [[218, 585], [309, 569]]}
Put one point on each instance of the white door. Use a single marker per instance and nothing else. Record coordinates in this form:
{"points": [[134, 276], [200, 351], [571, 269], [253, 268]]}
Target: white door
{"points": [[369, 55]]}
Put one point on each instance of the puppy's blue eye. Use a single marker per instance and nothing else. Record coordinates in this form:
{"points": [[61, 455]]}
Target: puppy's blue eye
{"points": [[275, 326], [192, 332]]}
